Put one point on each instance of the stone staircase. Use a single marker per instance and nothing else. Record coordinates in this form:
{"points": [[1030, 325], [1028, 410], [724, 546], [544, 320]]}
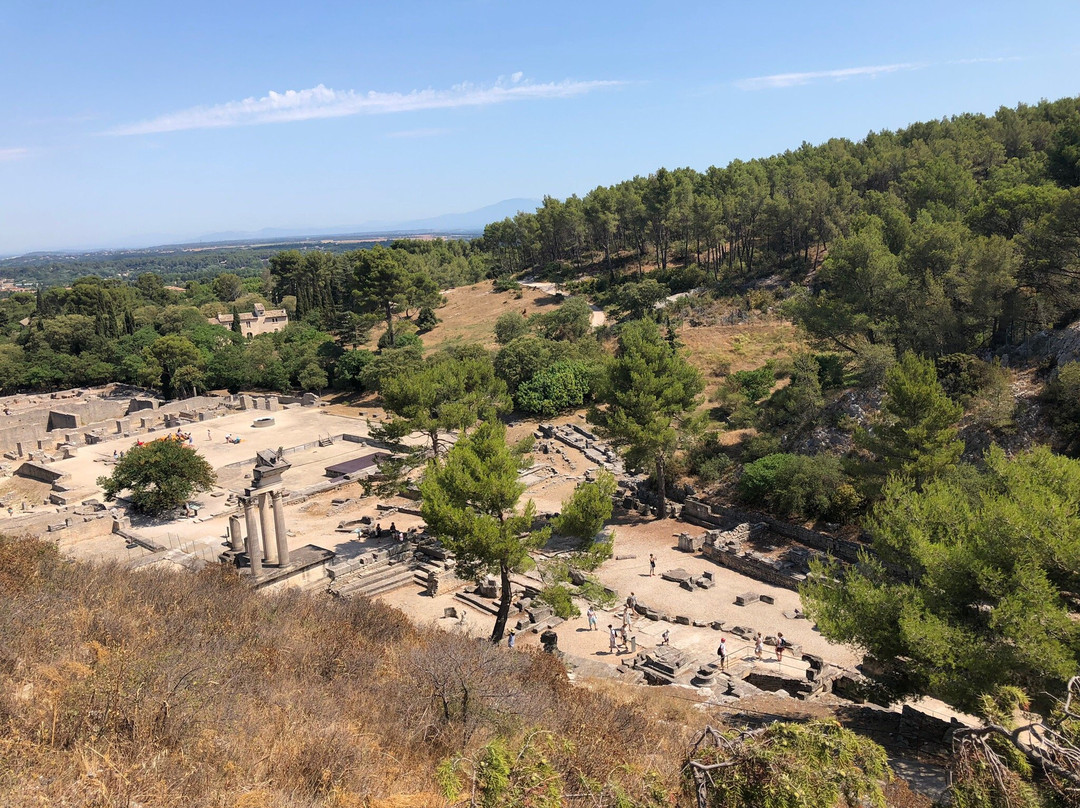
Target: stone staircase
{"points": [[374, 572]]}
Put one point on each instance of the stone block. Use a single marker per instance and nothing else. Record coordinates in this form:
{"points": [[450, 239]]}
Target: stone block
{"points": [[746, 598], [682, 620], [767, 599]]}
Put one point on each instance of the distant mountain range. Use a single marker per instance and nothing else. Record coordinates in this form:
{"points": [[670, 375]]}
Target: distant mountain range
{"points": [[472, 221]]}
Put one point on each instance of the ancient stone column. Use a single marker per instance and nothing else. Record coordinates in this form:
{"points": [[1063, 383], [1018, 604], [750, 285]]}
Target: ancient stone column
{"points": [[266, 519], [254, 551], [279, 529], [236, 535]]}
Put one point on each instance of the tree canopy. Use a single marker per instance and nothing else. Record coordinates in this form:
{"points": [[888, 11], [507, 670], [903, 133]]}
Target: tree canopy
{"points": [[160, 475], [648, 392], [470, 501], [971, 583]]}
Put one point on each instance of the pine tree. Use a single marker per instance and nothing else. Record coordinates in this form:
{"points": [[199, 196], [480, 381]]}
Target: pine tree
{"points": [[470, 502], [648, 392], [915, 433]]}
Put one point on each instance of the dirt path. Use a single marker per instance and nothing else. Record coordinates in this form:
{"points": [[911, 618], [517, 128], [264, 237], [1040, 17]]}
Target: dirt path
{"points": [[598, 318]]}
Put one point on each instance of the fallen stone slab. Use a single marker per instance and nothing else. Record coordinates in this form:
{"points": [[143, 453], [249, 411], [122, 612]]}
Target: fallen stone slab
{"points": [[746, 598], [677, 575]]}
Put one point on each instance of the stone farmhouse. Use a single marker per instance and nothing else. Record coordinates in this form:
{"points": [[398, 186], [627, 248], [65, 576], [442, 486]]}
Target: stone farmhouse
{"points": [[257, 321]]}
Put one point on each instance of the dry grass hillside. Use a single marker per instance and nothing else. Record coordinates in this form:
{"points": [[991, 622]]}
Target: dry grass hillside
{"points": [[122, 688], [471, 311]]}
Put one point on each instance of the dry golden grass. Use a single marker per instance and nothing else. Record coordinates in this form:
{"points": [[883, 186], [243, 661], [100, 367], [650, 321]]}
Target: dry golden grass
{"points": [[740, 347], [717, 350], [122, 688], [471, 311]]}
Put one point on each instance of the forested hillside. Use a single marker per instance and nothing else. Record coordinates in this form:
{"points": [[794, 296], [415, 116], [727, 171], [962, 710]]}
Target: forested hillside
{"points": [[951, 235], [954, 240]]}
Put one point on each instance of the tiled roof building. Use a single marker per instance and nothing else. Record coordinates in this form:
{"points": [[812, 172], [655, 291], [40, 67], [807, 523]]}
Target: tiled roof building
{"points": [[257, 321]]}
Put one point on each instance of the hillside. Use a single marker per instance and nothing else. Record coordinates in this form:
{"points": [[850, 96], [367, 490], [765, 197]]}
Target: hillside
{"points": [[165, 689]]}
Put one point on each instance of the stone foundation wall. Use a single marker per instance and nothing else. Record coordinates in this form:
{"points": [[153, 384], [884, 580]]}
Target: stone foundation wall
{"points": [[750, 567], [718, 516]]}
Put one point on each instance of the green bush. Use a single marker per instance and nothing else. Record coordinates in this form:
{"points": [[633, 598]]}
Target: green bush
{"points": [[597, 594], [402, 339], [1063, 397], [711, 470], [681, 279], [559, 599], [506, 283], [755, 384], [757, 446], [708, 459], [831, 369], [426, 319], [556, 388], [799, 485], [873, 362], [510, 326]]}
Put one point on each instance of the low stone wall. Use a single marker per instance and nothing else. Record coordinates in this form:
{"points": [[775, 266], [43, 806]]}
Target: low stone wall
{"points": [[40, 472], [719, 516], [751, 568]]}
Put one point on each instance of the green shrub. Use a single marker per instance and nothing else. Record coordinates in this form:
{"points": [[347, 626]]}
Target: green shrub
{"points": [[831, 369], [757, 446], [713, 469], [708, 459], [799, 485], [755, 384], [506, 283], [426, 319], [558, 597], [596, 554], [402, 338], [556, 388], [597, 594], [1063, 397], [873, 362], [509, 326]]}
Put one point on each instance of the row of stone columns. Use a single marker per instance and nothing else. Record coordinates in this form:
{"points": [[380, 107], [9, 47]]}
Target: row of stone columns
{"points": [[269, 520]]}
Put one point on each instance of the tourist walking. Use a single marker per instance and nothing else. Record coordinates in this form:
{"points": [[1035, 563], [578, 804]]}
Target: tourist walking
{"points": [[722, 653], [510, 639], [631, 602], [611, 638], [665, 638], [781, 644], [652, 565], [759, 645], [591, 614], [624, 636]]}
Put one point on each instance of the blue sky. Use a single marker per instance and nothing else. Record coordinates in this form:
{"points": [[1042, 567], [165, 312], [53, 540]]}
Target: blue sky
{"points": [[130, 124]]}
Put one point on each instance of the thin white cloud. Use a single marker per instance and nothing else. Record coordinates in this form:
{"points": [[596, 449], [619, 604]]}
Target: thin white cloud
{"points": [[7, 155], [413, 133], [323, 102], [987, 60], [795, 79]]}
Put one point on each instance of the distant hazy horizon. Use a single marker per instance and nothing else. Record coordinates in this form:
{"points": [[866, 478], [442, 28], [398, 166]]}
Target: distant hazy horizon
{"points": [[135, 124]]}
